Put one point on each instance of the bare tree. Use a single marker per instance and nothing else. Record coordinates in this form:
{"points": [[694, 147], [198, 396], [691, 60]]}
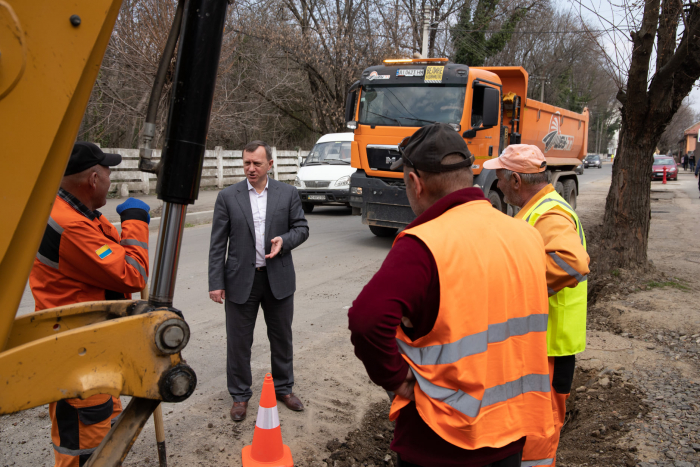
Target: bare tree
{"points": [[654, 75], [684, 118]]}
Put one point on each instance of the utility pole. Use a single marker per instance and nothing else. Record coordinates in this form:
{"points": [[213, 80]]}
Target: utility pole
{"points": [[543, 80], [542, 91], [426, 24], [596, 132]]}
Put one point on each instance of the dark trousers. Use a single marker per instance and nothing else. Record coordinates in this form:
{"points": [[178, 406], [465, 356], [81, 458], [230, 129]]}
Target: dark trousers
{"points": [[240, 324], [511, 461]]}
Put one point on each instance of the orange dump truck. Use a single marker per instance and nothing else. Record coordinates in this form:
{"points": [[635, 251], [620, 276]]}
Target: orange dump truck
{"points": [[487, 105]]}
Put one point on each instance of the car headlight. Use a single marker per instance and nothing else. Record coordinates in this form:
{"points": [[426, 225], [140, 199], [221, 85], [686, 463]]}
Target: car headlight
{"points": [[297, 182], [343, 181], [672, 169], [356, 190]]}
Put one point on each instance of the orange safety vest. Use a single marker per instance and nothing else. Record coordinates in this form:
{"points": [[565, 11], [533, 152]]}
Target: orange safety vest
{"points": [[482, 373]]}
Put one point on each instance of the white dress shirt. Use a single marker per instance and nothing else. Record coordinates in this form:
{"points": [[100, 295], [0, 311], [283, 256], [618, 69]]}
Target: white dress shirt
{"points": [[258, 203]]}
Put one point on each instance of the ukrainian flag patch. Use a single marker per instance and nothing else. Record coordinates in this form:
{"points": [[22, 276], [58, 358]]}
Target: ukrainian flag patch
{"points": [[103, 251]]}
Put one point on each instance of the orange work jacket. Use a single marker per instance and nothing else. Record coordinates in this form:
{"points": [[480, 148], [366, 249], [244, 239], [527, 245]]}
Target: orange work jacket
{"points": [[82, 257], [482, 377]]}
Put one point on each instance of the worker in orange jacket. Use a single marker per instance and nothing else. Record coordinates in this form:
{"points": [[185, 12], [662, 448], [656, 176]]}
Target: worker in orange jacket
{"points": [[82, 258], [523, 179]]}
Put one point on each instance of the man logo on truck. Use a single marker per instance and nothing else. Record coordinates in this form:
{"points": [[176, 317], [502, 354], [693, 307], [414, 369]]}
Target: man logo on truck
{"points": [[554, 139], [374, 75]]}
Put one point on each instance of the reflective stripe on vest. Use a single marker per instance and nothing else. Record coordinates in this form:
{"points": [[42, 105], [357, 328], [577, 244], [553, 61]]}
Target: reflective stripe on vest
{"points": [[471, 406], [482, 376], [537, 463], [566, 333], [474, 343], [268, 418], [72, 452]]}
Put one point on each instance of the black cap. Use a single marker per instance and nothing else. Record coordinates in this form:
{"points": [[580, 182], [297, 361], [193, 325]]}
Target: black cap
{"points": [[86, 155], [426, 148]]}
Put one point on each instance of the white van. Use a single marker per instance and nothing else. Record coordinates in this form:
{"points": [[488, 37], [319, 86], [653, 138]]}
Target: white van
{"points": [[324, 177]]}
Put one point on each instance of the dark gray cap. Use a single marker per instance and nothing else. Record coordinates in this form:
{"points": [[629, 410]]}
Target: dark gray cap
{"points": [[86, 155], [428, 146]]}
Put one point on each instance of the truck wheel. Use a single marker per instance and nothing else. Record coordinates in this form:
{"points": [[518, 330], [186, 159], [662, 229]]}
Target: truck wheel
{"points": [[559, 188], [496, 201], [382, 231], [307, 207], [570, 192]]}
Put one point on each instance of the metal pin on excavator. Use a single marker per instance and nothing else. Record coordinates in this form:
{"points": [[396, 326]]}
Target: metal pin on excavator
{"points": [[50, 56]]}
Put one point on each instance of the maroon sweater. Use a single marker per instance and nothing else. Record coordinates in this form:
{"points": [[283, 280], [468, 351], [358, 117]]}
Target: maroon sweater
{"points": [[407, 285]]}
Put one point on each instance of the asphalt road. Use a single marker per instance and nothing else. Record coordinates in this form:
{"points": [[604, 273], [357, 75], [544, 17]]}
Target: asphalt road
{"points": [[595, 174]]}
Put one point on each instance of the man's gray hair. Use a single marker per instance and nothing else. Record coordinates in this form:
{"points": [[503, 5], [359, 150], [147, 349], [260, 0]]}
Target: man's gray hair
{"points": [[254, 145], [529, 179]]}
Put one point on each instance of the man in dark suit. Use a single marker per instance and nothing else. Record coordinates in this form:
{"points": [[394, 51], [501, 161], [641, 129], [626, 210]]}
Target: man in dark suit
{"points": [[261, 222]]}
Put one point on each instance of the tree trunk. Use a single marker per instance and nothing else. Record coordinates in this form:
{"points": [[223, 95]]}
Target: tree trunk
{"points": [[647, 107], [627, 210]]}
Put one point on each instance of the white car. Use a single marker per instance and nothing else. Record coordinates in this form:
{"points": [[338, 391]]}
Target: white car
{"points": [[324, 177]]}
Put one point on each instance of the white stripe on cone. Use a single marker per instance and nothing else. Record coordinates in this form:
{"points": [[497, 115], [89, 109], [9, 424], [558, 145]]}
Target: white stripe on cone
{"points": [[268, 418]]}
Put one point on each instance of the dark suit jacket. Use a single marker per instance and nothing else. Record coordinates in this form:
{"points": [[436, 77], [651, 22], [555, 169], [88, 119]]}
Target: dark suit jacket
{"points": [[233, 226]]}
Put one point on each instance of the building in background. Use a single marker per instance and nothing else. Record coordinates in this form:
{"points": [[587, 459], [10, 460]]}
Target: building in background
{"points": [[689, 140]]}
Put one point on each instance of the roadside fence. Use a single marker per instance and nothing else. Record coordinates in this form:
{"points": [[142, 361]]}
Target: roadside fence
{"points": [[221, 168]]}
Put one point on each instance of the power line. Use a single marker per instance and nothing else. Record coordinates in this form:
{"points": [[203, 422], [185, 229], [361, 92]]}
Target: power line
{"points": [[455, 28]]}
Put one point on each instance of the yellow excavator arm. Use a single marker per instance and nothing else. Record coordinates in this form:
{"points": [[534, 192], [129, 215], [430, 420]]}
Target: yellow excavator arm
{"points": [[48, 66], [50, 56]]}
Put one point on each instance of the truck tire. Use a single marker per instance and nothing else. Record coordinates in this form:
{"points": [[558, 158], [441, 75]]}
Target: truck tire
{"points": [[307, 207], [382, 231], [570, 193], [559, 188], [496, 201]]}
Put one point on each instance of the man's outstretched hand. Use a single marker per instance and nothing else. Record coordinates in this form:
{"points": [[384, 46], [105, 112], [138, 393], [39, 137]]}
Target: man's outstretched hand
{"points": [[218, 295], [406, 388], [276, 247]]}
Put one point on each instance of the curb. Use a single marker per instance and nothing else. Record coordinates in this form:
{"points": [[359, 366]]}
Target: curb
{"points": [[200, 217]]}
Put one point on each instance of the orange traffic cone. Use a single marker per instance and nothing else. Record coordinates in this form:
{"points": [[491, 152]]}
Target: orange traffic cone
{"points": [[267, 449]]}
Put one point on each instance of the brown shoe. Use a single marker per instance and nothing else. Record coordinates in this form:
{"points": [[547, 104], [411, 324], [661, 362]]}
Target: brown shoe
{"points": [[238, 411], [292, 402]]}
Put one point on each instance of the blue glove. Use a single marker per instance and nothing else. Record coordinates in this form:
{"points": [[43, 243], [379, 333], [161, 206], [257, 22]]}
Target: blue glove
{"points": [[134, 208]]}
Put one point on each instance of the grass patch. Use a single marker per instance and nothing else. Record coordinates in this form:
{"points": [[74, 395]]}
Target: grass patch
{"points": [[188, 224], [674, 284], [615, 272]]}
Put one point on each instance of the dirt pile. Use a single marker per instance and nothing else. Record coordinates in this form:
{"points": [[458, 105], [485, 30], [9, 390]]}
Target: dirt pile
{"points": [[603, 407], [368, 445]]}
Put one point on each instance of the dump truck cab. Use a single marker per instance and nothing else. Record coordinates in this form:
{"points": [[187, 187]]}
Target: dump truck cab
{"points": [[392, 100]]}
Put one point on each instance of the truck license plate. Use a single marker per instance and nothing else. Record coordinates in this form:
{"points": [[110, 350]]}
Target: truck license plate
{"points": [[317, 197]]}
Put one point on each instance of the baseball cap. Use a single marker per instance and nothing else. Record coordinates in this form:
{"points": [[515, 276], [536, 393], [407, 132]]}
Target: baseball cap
{"points": [[428, 146], [521, 158], [86, 155]]}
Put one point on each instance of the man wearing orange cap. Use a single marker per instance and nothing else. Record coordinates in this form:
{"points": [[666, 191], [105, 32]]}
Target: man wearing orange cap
{"points": [[522, 177]]}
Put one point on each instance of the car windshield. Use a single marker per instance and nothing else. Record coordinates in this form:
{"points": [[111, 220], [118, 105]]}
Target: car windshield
{"points": [[337, 152], [664, 161], [592, 158], [411, 105]]}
